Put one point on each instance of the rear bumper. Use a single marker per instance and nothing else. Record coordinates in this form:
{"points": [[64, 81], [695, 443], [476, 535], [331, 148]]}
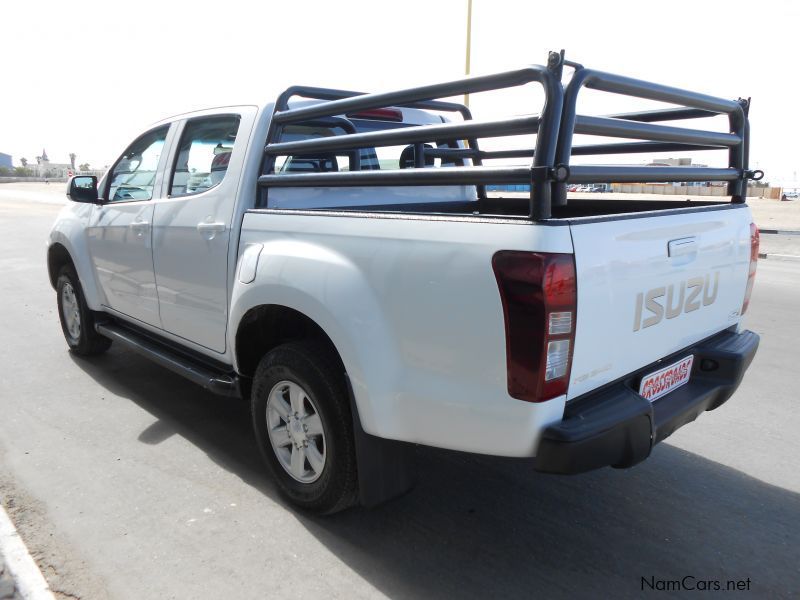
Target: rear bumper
{"points": [[615, 426]]}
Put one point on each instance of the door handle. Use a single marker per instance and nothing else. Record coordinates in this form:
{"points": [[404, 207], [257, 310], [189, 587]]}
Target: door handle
{"points": [[140, 225], [210, 230], [210, 227], [682, 247], [682, 251]]}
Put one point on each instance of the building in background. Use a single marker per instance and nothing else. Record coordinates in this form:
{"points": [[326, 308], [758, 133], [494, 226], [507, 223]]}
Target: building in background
{"points": [[5, 161], [47, 169]]}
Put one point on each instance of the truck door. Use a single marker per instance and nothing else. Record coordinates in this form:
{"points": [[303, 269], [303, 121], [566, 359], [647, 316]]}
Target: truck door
{"points": [[119, 234], [192, 228]]}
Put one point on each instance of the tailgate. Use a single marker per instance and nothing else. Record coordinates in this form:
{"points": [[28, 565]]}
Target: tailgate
{"points": [[649, 286]]}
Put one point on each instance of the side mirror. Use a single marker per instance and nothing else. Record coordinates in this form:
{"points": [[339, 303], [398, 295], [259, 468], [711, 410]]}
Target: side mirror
{"points": [[82, 188]]}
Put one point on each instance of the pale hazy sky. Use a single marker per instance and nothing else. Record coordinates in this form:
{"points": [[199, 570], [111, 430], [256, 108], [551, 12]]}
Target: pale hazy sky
{"points": [[87, 76]]}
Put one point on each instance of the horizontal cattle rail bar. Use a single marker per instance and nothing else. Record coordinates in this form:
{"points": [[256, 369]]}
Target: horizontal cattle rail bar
{"points": [[637, 148], [657, 133], [499, 175], [619, 84], [407, 97], [583, 150], [410, 135], [448, 176], [667, 114], [608, 174], [548, 169], [317, 93]]}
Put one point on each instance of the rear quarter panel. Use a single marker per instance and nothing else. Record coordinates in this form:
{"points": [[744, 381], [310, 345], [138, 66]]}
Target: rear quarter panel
{"points": [[412, 305]]}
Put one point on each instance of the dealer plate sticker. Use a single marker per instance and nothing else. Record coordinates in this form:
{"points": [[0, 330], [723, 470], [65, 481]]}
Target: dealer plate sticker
{"points": [[662, 382]]}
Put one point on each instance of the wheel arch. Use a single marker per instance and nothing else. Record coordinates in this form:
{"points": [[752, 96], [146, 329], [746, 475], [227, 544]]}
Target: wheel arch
{"points": [[324, 294], [67, 244], [57, 257], [267, 326], [265, 316]]}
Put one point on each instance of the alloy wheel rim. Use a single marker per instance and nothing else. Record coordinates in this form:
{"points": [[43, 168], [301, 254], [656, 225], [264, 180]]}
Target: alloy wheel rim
{"points": [[71, 311], [295, 432]]}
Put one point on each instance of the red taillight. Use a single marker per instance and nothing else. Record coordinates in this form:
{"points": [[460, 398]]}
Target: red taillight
{"points": [[379, 114], [751, 274], [539, 297]]}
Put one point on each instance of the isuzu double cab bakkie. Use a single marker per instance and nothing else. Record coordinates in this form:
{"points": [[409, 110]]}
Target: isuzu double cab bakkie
{"points": [[335, 259]]}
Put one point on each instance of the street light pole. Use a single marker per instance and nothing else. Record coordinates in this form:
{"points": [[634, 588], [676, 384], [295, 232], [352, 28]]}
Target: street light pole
{"points": [[469, 44]]}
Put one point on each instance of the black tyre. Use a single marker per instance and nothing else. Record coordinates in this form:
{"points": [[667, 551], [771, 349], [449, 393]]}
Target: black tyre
{"points": [[77, 321], [304, 427]]}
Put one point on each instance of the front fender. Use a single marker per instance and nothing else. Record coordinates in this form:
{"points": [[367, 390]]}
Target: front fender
{"points": [[329, 289], [69, 230]]}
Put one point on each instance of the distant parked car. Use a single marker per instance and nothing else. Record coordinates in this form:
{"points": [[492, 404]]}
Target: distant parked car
{"points": [[793, 195]]}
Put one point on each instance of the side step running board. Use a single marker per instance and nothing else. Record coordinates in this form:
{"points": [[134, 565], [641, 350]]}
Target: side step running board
{"points": [[219, 382]]}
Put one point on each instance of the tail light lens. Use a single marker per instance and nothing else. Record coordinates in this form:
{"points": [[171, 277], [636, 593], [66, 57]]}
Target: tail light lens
{"points": [[539, 297], [751, 275]]}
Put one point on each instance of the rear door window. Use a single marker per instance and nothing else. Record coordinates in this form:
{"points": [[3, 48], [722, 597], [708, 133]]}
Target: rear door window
{"points": [[203, 154]]}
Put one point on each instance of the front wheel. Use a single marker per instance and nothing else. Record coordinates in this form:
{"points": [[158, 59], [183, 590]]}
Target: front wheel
{"points": [[304, 428], [77, 320]]}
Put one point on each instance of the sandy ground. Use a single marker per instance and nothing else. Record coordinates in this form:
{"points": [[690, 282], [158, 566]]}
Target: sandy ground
{"points": [[48, 193], [774, 214], [768, 214]]}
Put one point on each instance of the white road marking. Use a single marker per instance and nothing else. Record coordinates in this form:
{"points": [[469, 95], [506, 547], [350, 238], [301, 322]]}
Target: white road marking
{"points": [[30, 582]]}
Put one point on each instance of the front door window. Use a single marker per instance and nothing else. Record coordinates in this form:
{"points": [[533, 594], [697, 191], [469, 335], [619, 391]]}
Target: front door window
{"points": [[134, 175]]}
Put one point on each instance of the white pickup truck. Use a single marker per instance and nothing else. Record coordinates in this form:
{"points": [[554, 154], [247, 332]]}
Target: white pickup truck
{"points": [[335, 259]]}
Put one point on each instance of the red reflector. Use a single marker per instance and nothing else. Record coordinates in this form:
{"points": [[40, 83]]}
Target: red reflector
{"points": [[539, 296], [751, 273], [379, 114]]}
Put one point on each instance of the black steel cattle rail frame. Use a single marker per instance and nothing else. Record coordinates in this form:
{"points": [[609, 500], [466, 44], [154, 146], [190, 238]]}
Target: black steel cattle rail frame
{"points": [[549, 172]]}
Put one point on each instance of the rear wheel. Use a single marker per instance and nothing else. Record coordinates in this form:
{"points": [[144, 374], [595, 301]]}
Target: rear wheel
{"points": [[303, 426], [77, 320]]}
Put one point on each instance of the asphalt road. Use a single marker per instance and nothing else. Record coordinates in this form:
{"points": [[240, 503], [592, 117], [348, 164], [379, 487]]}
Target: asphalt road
{"points": [[128, 482]]}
